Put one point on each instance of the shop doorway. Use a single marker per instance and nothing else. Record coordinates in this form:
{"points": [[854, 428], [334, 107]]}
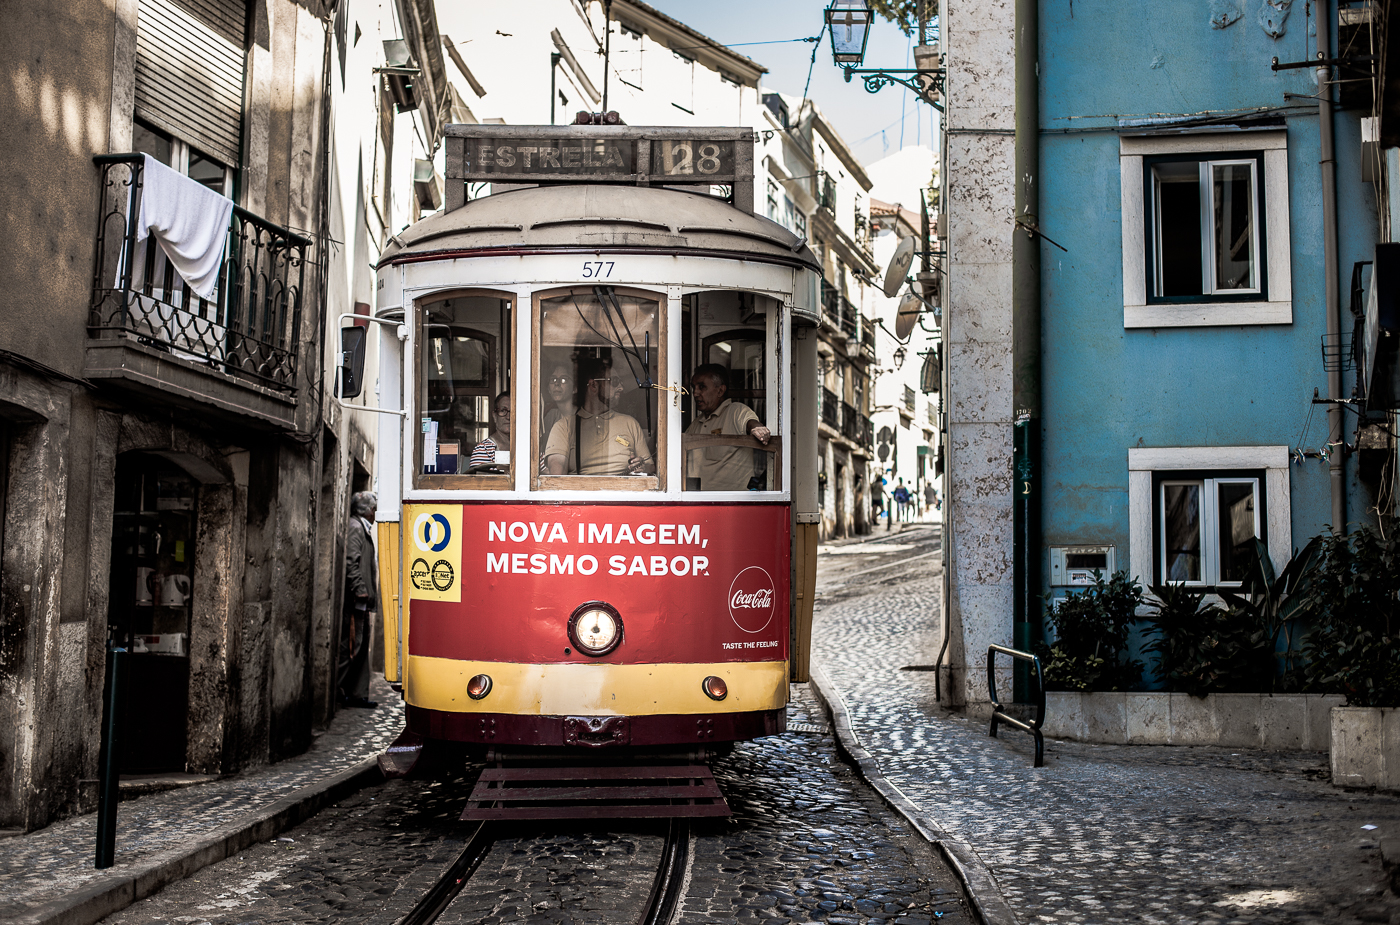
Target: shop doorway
{"points": [[150, 602]]}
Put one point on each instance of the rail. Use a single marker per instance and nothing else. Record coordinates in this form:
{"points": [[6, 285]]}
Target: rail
{"points": [[250, 329], [1001, 716], [851, 427]]}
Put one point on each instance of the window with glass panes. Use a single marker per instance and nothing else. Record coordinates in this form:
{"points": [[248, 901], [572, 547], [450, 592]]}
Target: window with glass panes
{"points": [[1206, 525]]}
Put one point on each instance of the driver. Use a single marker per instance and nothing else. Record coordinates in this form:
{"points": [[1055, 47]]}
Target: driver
{"points": [[723, 468], [613, 443]]}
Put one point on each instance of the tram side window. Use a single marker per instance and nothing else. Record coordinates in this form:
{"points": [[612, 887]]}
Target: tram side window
{"points": [[598, 414], [465, 433], [728, 443]]}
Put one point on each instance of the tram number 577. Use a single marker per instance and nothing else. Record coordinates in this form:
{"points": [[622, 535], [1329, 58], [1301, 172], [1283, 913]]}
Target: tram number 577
{"points": [[597, 269], [684, 158]]}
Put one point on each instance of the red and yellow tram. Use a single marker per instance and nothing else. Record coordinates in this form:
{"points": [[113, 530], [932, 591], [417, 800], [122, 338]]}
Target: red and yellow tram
{"points": [[578, 546]]}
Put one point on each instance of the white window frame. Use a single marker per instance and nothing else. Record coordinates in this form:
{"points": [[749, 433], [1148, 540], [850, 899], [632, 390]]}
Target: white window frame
{"points": [[1209, 526], [1278, 309], [1143, 462]]}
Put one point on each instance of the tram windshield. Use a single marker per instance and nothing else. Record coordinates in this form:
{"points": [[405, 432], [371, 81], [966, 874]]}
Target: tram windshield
{"points": [[729, 442], [598, 415], [465, 435]]}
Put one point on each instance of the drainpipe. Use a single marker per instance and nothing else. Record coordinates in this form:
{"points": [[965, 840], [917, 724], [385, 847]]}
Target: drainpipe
{"points": [[1025, 339], [1328, 160]]}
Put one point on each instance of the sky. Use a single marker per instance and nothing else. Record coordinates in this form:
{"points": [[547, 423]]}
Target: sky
{"points": [[873, 124]]}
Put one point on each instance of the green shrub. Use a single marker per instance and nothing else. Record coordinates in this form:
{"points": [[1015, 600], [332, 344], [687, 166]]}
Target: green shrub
{"points": [[1353, 647], [1203, 650], [1090, 651]]}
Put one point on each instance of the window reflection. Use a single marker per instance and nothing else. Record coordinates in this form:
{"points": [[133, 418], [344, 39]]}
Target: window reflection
{"points": [[1181, 514], [598, 361], [465, 425]]}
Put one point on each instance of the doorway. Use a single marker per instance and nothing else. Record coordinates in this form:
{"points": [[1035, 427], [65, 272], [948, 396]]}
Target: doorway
{"points": [[150, 604]]}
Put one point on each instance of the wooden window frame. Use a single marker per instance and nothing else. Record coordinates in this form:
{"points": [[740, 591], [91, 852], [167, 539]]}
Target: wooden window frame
{"points": [[594, 483], [462, 481]]}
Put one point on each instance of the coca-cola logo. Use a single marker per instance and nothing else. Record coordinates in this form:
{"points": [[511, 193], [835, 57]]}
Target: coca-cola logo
{"points": [[751, 599]]}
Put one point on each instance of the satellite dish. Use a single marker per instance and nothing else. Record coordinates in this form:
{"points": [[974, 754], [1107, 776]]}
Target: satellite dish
{"points": [[907, 316], [900, 263]]}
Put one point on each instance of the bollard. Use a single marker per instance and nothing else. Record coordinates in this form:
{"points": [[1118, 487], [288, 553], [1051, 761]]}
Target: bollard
{"points": [[109, 762]]}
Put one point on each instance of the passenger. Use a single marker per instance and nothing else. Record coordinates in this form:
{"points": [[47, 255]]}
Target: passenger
{"points": [[723, 468], [560, 388], [613, 443], [484, 455]]}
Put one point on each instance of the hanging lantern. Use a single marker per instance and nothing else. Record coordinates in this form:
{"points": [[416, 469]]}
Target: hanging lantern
{"points": [[848, 21]]}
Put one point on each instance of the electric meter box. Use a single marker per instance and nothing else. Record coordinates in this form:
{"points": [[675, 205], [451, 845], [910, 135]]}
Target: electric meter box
{"points": [[1078, 566]]}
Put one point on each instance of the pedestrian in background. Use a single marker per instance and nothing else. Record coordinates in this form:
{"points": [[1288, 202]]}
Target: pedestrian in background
{"points": [[361, 602], [901, 500]]}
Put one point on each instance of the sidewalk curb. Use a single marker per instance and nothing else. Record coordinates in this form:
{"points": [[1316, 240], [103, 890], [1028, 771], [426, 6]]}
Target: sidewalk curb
{"points": [[115, 891], [981, 888]]}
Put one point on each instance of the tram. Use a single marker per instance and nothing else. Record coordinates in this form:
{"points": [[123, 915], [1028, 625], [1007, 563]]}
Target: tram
{"points": [[597, 489]]}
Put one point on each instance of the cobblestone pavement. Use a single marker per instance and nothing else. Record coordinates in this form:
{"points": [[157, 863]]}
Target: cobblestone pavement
{"points": [[53, 861], [808, 843], [1101, 834]]}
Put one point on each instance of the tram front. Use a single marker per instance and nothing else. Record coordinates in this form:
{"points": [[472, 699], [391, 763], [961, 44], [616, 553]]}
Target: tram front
{"points": [[598, 506]]}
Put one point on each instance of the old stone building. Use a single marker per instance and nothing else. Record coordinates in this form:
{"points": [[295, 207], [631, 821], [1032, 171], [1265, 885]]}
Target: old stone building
{"points": [[173, 470]]}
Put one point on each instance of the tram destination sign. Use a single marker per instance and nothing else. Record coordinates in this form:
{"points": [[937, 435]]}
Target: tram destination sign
{"points": [[650, 156]]}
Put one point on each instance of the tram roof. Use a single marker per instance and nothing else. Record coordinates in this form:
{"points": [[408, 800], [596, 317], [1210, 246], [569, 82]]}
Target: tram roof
{"points": [[599, 217]]}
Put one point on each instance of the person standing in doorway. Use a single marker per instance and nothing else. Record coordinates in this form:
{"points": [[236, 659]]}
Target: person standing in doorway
{"points": [[361, 602]]}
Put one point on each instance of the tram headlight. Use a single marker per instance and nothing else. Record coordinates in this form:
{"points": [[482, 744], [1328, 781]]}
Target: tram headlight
{"points": [[595, 628], [715, 688], [479, 686]]}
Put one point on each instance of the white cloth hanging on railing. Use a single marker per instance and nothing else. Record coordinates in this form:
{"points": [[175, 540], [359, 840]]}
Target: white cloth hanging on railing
{"points": [[190, 222]]}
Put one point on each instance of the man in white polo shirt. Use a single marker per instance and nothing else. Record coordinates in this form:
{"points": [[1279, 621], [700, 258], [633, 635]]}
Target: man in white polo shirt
{"points": [[722, 468], [613, 443]]}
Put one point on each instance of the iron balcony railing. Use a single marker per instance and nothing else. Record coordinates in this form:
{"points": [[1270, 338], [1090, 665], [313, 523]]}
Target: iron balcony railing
{"points": [[831, 303], [250, 329], [831, 413], [850, 423], [867, 433], [850, 318], [867, 332], [826, 198]]}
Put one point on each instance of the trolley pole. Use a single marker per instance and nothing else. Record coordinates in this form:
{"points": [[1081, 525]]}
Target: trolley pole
{"points": [[108, 761]]}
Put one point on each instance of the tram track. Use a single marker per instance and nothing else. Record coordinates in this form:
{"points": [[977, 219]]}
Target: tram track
{"points": [[663, 901]]}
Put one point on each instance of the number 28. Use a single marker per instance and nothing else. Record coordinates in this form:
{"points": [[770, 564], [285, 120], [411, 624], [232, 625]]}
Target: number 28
{"points": [[597, 269]]}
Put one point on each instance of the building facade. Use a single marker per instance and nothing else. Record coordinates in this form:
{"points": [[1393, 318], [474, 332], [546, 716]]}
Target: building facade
{"points": [[175, 468], [1185, 286]]}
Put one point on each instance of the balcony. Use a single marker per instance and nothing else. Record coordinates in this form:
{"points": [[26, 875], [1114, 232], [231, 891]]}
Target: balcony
{"points": [[868, 433], [909, 399], [831, 409], [850, 318], [826, 198], [234, 355], [851, 427], [867, 337]]}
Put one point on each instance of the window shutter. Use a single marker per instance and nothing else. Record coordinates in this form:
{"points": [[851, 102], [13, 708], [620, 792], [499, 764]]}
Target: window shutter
{"points": [[190, 57]]}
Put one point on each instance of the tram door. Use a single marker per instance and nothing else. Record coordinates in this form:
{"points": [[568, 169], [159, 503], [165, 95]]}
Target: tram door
{"points": [[150, 594]]}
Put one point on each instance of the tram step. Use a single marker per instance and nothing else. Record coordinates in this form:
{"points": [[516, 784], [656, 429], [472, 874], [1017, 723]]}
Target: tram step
{"points": [[635, 791]]}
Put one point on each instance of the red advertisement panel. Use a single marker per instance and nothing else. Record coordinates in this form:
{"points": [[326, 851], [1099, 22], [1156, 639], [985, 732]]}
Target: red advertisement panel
{"points": [[692, 583]]}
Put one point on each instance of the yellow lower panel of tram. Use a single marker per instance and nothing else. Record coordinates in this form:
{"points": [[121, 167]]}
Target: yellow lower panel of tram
{"points": [[594, 689]]}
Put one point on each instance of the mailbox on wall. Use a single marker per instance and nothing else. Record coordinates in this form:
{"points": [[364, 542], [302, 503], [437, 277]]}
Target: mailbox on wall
{"points": [[1078, 566]]}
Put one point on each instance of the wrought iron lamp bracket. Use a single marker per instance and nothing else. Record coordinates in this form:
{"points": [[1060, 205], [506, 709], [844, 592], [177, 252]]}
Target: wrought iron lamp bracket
{"points": [[879, 78]]}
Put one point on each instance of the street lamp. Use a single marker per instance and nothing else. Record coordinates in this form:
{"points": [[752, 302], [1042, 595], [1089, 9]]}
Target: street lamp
{"points": [[849, 24]]}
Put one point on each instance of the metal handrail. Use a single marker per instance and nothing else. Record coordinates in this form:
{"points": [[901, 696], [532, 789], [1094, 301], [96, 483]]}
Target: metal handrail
{"points": [[1001, 716]]}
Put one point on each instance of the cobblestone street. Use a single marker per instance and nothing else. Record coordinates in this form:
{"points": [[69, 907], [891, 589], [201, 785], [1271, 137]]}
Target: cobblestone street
{"points": [[1101, 834], [808, 842]]}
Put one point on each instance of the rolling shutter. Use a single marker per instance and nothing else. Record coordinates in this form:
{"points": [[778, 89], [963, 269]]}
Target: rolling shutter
{"points": [[189, 71]]}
